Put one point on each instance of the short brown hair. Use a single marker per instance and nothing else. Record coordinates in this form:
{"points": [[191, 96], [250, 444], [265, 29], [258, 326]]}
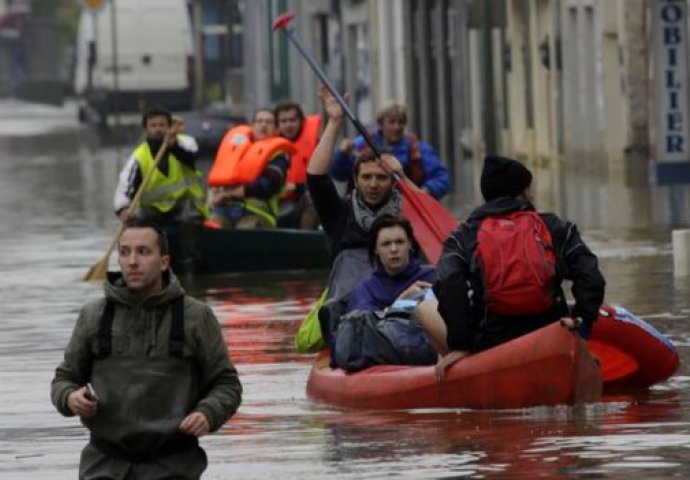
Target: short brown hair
{"points": [[388, 220], [286, 106], [137, 222], [156, 112], [392, 109], [263, 109], [367, 155]]}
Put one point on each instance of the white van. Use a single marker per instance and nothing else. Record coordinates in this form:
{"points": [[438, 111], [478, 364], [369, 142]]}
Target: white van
{"points": [[154, 57]]}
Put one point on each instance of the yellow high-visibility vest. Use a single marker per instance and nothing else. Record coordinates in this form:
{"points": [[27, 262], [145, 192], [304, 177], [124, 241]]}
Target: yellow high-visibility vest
{"points": [[164, 192]]}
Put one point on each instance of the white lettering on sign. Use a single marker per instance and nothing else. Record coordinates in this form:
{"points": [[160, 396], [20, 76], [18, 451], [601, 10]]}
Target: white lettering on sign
{"points": [[671, 68]]}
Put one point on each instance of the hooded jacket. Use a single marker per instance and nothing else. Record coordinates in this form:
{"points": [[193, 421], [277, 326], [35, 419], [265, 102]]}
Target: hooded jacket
{"points": [[380, 290], [142, 328]]}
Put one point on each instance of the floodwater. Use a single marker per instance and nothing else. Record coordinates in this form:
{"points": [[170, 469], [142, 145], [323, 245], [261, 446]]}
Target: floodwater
{"points": [[56, 181]]}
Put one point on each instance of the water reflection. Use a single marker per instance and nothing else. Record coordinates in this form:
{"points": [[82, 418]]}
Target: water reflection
{"points": [[628, 442], [260, 313], [535, 443]]}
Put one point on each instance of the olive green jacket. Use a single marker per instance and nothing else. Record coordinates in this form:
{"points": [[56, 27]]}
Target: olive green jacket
{"points": [[142, 328]]}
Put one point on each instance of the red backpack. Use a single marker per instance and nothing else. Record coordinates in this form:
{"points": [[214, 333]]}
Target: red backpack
{"points": [[517, 263]]}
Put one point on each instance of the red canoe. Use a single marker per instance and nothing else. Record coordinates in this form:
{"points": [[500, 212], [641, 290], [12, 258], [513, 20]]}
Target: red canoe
{"points": [[548, 367]]}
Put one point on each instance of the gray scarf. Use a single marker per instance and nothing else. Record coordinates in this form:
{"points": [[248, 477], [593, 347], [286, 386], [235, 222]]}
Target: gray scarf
{"points": [[365, 216]]}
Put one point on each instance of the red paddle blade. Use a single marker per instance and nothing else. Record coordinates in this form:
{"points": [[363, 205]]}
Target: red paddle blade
{"points": [[615, 363], [431, 222], [212, 224], [282, 20]]}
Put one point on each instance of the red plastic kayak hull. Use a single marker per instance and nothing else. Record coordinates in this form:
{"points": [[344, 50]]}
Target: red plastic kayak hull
{"points": [[548, 367]]}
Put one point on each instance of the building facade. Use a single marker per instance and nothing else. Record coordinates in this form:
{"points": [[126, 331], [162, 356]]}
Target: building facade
{"points": [[551, 82]]}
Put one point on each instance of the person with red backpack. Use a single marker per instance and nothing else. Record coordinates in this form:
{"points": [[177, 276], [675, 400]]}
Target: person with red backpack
{"points": [[500, 272]]}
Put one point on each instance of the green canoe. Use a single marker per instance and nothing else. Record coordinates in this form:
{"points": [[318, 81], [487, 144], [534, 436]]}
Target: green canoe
{"points": [[212, 251]]}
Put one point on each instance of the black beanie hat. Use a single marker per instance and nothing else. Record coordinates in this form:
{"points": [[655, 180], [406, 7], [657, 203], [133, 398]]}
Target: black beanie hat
{"points": [[503, 177]]}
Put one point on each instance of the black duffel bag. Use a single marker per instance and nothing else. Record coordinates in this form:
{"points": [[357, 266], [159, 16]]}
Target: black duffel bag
{"points": [[365, 338]]}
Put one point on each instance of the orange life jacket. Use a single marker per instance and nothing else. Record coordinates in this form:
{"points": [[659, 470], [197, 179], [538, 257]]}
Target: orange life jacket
{"points": [[240, 160], [304, 144]]}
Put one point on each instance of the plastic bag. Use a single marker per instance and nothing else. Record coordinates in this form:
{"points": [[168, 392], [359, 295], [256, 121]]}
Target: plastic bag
{"points": [[309, 338]]}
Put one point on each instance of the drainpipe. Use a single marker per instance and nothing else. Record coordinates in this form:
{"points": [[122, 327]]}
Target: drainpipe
{"points": [[198, 54], [115, 66], [488, 121]]}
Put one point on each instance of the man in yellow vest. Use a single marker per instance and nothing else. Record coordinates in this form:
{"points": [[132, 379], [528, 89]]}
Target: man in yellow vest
{"points": [[297, 209], [175, 192], [248, 174]]}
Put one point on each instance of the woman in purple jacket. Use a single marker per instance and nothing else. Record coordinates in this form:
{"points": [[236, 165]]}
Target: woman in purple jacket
{"points": [[398, 273], [380, 326]]}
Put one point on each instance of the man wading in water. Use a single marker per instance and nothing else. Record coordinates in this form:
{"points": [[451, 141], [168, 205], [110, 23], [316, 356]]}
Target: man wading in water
{"points": [[146, 370]]}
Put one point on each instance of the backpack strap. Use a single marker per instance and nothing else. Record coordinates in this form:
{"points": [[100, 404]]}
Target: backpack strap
{"points": [[560, 231], [558, 239], [176, 344], [105, 330], [467, 235], [416, 168]]}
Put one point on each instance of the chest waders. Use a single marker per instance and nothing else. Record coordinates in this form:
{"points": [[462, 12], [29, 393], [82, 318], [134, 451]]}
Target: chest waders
{"points": [[142, 400]]}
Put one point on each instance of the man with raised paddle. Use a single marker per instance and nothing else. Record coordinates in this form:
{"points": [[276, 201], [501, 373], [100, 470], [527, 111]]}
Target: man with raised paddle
{"points": [[347, 220], [432, 223]]}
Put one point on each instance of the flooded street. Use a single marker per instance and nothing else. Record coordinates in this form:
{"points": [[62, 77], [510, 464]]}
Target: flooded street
{"points": [[56, 219]]}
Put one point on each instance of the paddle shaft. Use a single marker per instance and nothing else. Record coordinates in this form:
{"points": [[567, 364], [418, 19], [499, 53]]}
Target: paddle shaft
{"points": [[147, 179], [136, 200], [99, 269], [431, 221], [334, 91]]}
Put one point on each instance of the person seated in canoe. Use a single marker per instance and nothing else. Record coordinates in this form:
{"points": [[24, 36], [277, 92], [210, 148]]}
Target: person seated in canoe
{"points": [[174, 193], [146, 369], [248, 174], [347, 220], [500, 272], [296, 207], [398, 272], [420, 161], [385, 300]]}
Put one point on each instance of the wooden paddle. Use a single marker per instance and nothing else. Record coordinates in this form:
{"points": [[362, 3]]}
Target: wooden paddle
{"points": [[432, 223], [100, 268]]}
